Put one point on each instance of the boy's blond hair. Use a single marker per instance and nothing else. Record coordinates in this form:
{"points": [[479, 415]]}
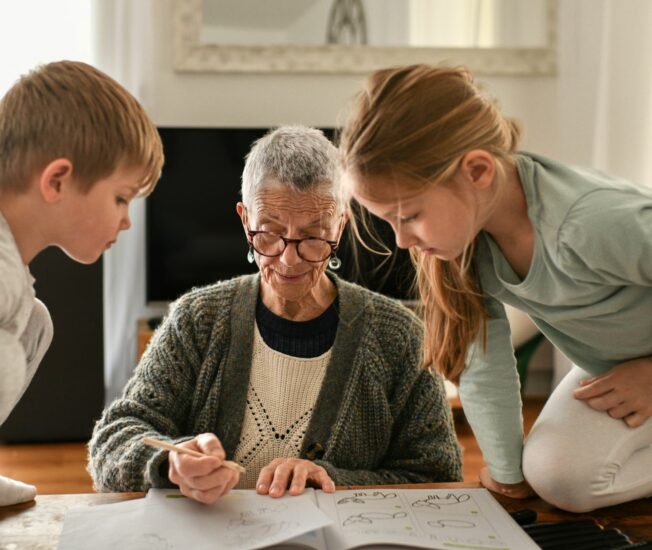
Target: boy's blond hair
{"points": [[71, 110]]}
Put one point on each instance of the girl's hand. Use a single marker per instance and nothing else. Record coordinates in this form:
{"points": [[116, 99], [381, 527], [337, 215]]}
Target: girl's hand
{"points": [[624, 392], [293, 473], [203, 479], [513, 490]]}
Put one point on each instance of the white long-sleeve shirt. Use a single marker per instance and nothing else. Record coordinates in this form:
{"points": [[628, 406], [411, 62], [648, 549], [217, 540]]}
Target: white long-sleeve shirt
{"points": [[17, 303]]}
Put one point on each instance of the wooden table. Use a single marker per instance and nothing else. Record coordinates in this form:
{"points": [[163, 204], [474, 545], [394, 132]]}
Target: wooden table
{"points": [[37, 525]]}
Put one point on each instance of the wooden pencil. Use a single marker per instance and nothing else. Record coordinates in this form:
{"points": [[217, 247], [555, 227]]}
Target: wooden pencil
{"points": [[169, 447]]}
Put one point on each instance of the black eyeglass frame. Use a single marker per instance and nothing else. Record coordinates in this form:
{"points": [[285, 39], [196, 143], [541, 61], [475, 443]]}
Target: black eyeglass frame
{"points": [[333, 244]]}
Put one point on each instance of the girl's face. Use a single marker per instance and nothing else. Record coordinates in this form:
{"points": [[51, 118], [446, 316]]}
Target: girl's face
{"points": [[440, 220]]}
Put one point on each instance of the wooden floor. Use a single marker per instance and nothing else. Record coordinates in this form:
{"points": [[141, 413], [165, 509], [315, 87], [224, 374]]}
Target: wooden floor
{"points": [[61, 468]]}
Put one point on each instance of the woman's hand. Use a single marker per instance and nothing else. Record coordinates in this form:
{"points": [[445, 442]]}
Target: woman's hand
{"points": [[513, 490], [203, 479], [624, 392], [293, 473]]}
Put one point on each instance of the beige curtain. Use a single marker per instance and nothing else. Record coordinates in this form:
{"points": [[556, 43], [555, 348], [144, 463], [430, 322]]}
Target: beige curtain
{"points": [[605, 92]]}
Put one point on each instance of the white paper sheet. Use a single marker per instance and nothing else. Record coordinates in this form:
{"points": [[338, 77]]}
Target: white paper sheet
{"points": [[421, 518], [165, 521]]}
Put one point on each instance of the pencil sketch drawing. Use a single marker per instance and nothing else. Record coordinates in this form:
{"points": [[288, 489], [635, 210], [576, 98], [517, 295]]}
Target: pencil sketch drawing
{"points": [[261, 531], [369, 518], [364, 497], [436, 501], [457, 523], [250, 517]]}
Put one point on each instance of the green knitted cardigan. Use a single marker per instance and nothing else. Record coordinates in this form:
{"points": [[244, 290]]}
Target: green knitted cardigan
{"points": [[378, 419]]}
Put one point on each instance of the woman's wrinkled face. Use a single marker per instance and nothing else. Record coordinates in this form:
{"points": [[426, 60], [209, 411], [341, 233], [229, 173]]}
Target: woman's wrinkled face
{"points": [[282, 211]]}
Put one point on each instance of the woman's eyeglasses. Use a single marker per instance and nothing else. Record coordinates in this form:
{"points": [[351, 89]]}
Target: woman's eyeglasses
{"points": [[310, 249]]}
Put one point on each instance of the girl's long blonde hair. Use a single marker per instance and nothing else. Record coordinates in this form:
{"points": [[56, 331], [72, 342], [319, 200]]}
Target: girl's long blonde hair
{"points": [[413, 125]]}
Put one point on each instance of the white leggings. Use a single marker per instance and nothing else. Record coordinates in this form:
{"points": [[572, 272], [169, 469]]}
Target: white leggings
{"points": [[580, 459]]}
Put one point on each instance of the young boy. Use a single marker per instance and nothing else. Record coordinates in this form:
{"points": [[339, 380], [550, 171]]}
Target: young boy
{"points": [[75, 149]]}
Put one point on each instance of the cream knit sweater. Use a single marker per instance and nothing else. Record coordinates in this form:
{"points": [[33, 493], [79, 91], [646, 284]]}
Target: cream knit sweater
{"points": [[280, 399]]}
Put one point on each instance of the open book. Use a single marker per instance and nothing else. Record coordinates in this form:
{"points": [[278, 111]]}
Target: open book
{"points": [[388, 518], [414, 518]]}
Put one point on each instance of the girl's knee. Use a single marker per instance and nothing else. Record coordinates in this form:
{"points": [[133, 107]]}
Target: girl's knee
{"points": [[558, 479]]}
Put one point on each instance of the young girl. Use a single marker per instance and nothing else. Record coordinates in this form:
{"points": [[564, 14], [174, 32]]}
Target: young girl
{"points": [[427, 151]]}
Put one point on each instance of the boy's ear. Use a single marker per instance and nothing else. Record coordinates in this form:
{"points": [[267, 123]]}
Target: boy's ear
{"points": [[53, 178], [479, 168]]}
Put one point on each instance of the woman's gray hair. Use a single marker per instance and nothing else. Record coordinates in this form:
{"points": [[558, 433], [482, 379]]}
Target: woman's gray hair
{"points": [[297, 156]]}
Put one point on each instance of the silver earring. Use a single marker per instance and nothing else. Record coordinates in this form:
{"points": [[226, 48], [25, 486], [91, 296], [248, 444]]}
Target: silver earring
{"points": [[334, 262], [250, 256]]}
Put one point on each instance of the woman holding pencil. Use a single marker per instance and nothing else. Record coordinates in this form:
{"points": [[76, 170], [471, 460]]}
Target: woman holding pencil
{"points": [[292, 373]]}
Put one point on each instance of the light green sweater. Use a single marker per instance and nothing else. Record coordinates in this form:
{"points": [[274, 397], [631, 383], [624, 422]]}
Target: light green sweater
{"points": [[589, 290], [378, 419]]}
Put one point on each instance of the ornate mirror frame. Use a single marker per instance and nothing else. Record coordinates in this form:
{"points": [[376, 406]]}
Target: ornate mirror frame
{"points": [[190, 55]]}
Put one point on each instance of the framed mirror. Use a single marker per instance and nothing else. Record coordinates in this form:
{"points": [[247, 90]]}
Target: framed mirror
{"points": [[500, 37]]}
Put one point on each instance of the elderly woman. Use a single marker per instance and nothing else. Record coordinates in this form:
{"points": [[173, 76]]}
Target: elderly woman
{"points": [[300, 377]]}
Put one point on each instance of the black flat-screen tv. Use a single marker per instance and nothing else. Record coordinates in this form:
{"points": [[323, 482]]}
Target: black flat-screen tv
{"points": [[194, 235]]}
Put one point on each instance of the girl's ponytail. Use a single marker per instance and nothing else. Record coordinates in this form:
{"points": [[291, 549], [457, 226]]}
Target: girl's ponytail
{"points": [[452, 309]]}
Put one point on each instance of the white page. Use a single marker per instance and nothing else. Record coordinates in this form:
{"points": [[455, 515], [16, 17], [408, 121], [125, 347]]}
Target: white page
{"points": [[313, 540], [420, 518], [241, 519]]}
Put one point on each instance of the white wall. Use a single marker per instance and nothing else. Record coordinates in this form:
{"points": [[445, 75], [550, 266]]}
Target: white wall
{"points": [[27, 41], [218, 99], [605, 92], [605, 86], [142, 61]]}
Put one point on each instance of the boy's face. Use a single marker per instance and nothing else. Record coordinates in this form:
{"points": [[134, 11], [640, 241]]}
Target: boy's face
{"points": [[90, 222]]}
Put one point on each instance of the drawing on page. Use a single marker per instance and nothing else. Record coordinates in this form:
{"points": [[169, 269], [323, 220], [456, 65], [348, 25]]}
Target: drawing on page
{"points": [[369, 518], [457, 523], [364, 497], [242, 535], [476, 532], [436, 501], [250, 517], [467, 518]]}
